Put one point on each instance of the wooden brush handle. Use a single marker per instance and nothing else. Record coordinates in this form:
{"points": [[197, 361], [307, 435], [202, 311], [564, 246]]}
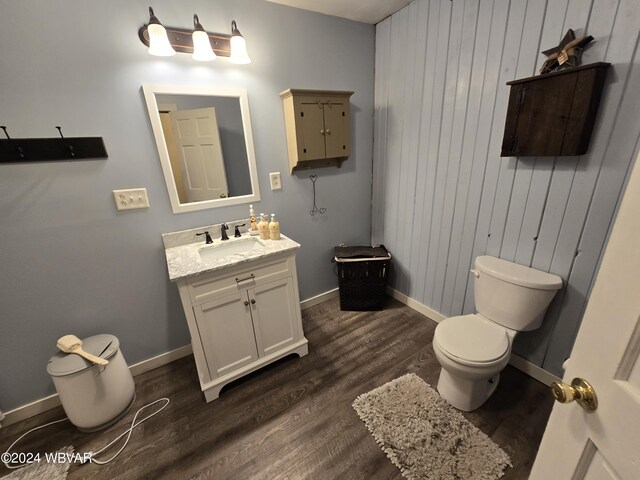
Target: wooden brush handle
{"points": [[92, 358]]}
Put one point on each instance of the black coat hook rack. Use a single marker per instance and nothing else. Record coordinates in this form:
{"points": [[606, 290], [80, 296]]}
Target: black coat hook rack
{"points": [[14, 150]]}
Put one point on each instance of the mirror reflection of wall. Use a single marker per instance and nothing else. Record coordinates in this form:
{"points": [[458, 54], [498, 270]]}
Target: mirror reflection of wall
{"points": [[206, 144]]}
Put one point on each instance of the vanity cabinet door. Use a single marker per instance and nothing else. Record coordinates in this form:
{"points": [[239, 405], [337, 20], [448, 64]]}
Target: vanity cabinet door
{"points": [[275, 318], [227, 335]]}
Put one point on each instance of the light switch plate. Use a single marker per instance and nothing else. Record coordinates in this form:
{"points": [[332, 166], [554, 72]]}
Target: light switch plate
{"points": [[131, 198], [276, 184]]}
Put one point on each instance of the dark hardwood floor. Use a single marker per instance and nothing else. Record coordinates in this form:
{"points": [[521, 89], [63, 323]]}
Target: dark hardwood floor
{"points": [[294, 420]]}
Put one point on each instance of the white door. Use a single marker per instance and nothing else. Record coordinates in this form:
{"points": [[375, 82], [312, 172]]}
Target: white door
{"points": [[605, 443], [198, 140]]}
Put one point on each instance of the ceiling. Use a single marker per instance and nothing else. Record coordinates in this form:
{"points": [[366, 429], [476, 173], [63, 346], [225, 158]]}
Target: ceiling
{"points": [[367, 11]]}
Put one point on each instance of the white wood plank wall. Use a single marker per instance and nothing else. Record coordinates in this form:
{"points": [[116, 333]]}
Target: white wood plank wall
{"points": [[442, 194]]}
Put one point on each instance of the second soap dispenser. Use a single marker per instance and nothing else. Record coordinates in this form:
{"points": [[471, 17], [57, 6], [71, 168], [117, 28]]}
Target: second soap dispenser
{"points": [[263, 227], [274, 228]]}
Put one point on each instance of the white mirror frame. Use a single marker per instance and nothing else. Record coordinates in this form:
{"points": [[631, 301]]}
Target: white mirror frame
{"points": [[150, 92]]}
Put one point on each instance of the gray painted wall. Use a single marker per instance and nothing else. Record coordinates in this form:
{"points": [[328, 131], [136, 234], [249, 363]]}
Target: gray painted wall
{"points": [[442, 193], [70, 262], [230, 129]]}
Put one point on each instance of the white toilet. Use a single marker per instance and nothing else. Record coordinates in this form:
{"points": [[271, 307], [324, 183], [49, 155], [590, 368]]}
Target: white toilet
{"points": [[473, 349]]}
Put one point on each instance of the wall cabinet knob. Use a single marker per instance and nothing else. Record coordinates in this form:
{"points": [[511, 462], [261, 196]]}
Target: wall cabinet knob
{"points": [[253, 301], [246, 304], [321, 132], [328, 132]]}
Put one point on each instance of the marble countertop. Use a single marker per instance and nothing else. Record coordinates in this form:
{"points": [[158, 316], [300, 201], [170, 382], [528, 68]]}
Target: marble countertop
{"points": [[184, 260]]}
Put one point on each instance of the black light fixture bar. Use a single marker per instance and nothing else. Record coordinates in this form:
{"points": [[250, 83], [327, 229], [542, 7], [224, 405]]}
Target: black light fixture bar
{"points": [[182, 41]]}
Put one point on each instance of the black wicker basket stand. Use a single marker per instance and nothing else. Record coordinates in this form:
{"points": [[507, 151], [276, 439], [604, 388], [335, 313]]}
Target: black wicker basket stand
{"points": [[362, 277]]}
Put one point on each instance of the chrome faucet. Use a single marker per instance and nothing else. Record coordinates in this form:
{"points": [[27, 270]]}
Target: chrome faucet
{"points": [[223, 231]]}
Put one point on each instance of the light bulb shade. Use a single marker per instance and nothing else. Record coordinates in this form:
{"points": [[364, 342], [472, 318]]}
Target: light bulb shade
{"points": [[202, 50], [238, 46], [159, 41]]}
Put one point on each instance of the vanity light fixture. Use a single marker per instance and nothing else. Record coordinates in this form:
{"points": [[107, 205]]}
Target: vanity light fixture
{"points": [[158, 41], [238, 46], [202, 50], [202, 45]]}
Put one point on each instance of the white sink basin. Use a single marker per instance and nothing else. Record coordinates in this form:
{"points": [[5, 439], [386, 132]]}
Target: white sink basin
{"points": [[229, 247]]}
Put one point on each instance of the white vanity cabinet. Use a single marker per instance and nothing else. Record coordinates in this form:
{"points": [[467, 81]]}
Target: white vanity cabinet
{"points": [[242, 318]]}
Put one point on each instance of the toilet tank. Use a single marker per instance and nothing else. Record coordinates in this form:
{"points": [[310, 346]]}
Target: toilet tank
{"points": [[513, 295]]}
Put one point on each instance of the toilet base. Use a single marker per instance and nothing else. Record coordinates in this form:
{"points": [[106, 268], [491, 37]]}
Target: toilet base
{"points": [[465, 394]]}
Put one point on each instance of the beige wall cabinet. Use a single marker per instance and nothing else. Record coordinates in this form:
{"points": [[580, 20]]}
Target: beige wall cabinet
{"points": [[318, 127], [243, 318]]}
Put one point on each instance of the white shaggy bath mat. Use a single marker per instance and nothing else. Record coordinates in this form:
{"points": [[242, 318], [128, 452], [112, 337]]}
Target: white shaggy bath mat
{"points": [[425, 437]]}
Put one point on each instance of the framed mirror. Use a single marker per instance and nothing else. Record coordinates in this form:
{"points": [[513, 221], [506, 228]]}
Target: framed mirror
{"points": [[205, 144]]}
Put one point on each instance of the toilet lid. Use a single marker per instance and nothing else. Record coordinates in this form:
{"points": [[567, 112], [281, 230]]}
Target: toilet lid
{"points": [[472, 338]]}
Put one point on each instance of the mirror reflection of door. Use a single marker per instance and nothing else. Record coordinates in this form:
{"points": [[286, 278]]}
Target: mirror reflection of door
{"points": [[192, 183], [195, 151]]}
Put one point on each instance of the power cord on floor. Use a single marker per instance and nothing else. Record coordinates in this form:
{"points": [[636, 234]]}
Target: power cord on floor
{"points": [[134, 424], [7, 453], [128, 432]]}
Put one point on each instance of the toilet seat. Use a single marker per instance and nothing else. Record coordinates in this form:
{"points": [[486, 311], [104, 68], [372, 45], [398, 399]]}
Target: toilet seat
{"points": [[472, 340]]}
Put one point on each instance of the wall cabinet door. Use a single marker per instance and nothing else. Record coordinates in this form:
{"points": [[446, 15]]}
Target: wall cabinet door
{"points": [[324, 130], [227, 334], [312, 128], [275, 322], [336, 130]]}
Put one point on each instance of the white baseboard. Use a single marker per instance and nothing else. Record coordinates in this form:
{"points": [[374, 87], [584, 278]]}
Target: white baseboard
{"points": [[525, 366], [416, 305], [323, 297], [533, 370], [159, 360], [47, 403], [30, 409]]}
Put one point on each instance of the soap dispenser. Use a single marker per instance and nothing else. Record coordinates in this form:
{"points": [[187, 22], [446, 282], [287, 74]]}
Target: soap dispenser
{"points": [[274, 228], [253, 229], [263, 227]]}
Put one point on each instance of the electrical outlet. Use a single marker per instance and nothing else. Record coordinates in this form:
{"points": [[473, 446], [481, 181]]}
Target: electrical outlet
{"points": [[275, 181], [131, 198]]}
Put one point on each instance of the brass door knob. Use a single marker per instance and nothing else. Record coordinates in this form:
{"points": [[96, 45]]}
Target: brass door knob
{"points": [[580, 390]]}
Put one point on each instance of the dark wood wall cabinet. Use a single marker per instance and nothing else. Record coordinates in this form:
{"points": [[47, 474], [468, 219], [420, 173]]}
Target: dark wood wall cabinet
{"points": [[553, 114]]}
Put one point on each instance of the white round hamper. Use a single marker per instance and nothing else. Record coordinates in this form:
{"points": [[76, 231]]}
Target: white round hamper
{"points": [[93, 396]]}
